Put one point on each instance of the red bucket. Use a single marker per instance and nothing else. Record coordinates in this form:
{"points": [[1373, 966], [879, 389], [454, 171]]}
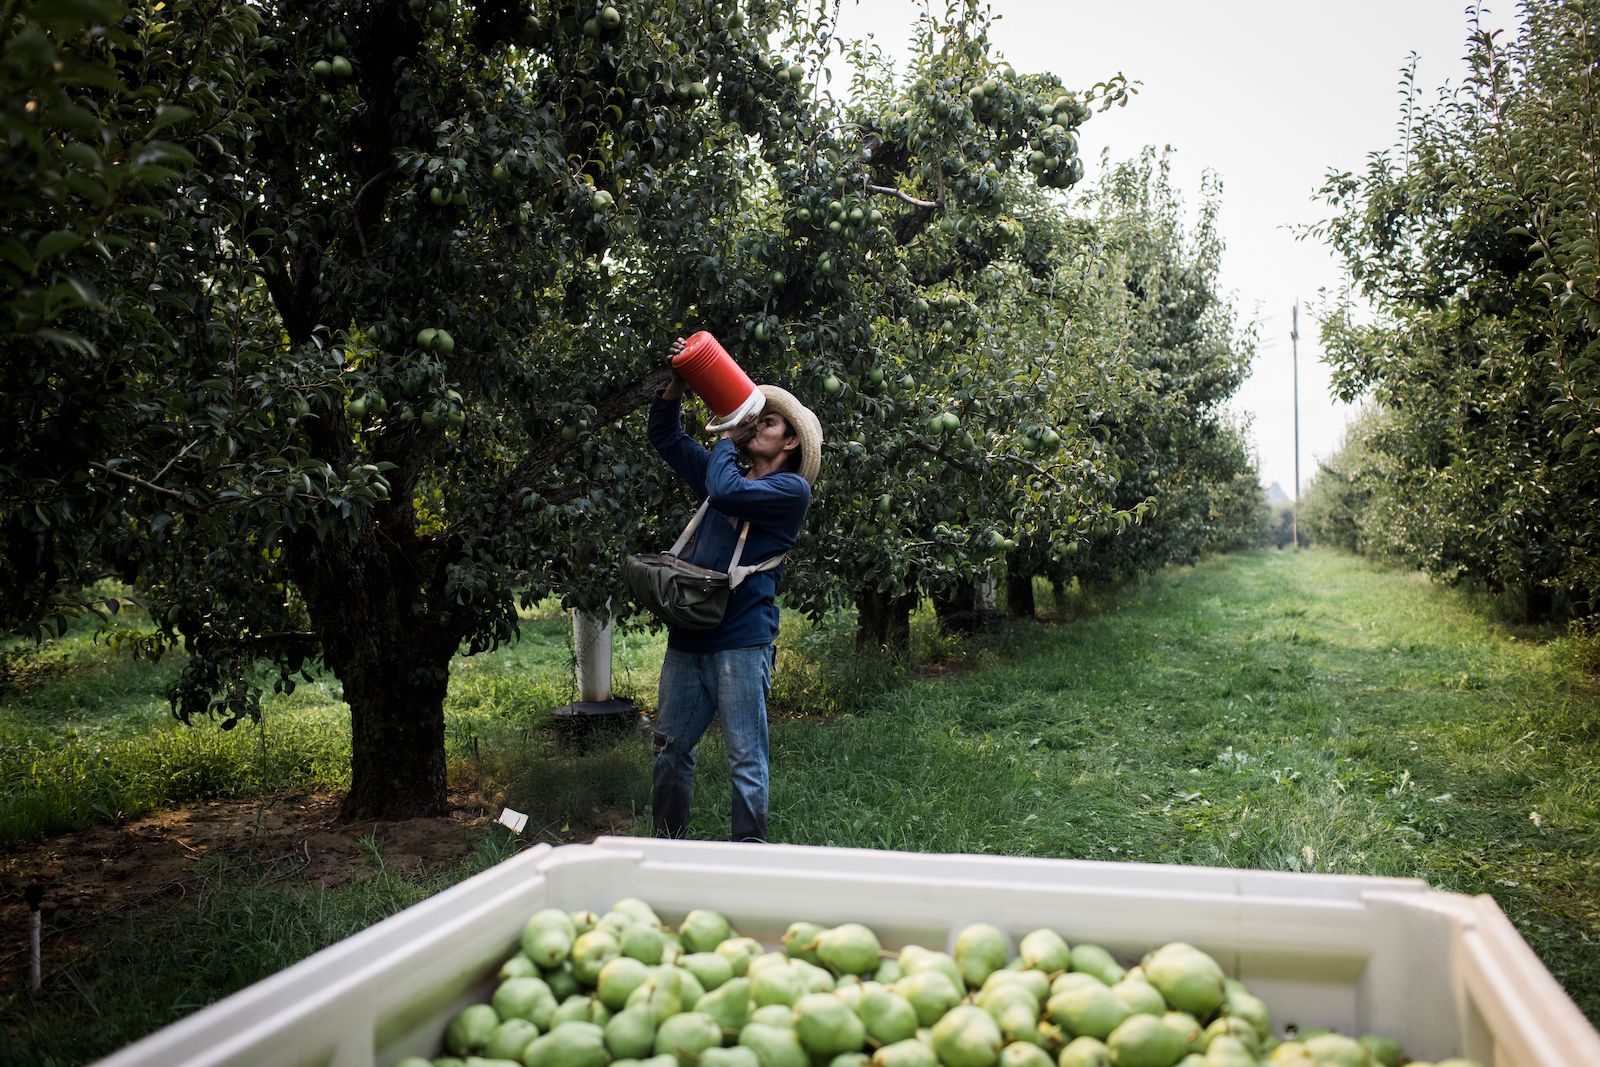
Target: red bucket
{"points": [[719, 381]]}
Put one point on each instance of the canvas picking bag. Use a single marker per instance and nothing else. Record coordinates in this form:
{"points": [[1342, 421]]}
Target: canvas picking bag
{"points": [[683, 594]]}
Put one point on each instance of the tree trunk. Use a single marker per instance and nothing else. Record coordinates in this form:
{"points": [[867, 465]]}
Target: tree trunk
{"points": [[958, 610], [1019, 591], [884, 621], [388, 634]]}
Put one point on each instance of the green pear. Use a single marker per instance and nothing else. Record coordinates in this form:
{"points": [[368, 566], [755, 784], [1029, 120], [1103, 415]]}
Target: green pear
{"points": [[562, 982], [850, 1059], [888, 972], [572, 1044], [1092, 959], [518, 966], [582, 921], [580, 1008], [1087, 1010], [616, 923], [888, 1016], [470, 1029], [637, 908], [775, 985], [980, 950], [729, 1004], [1225, 1050], [1292, 1054], [525, 997], [1385, 1050], [779, 1015], [739, 951], [661, 993], [774, 1046], [590, 952], [827, 1026], [763, 960], [1187, 1027], [967, 1036], [907, 1053], [548, 937], [644, 943], [1035, 982], [702, 930], [1189, 979], [800, 941], [1337, 1050], [1084, 1052], [631, 1033], [849, 949], [687, 1035], [931, 994], [914, 959], [1146, 1041], [618, 979], [1022, 1054], [1045, 950], [1231, 1027], [708, 968], [1240, 1004], [737, 1056], [1140, 996]]}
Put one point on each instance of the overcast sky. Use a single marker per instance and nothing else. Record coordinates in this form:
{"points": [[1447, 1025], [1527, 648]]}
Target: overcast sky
{"points": [[1269, 94]]}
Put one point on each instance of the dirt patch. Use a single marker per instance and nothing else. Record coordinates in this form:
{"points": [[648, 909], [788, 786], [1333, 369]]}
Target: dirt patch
{"points": [[93, 875]]}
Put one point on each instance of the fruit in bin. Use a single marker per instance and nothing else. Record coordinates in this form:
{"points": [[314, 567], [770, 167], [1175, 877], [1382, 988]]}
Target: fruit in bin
{"points": [[737, 1056], [1096, 961], [1044, 950], [1386, 1051], [1023, 1054], [1146, 1041], [1337, 1050], [590, 952], [739, 951], [686, 1035], [619, 978], [631, 1033], [639, 941], [580, 1008], [1229, 1051], [1084, 1052], [509, 1039], [1087, 1010], [931, 994], [774, 1046], [911, 1052], [967, 1036], [708, 968], [572, 1044], [470, 1030], [850, 948], [827, 1026], [1189, 979], [800, 939], [728, 1004], [980, 950], [887, 1016], [525, 998]]}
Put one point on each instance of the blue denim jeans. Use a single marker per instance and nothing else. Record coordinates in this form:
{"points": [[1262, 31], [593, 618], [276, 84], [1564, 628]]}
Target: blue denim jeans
{"points": [[732, 688]]}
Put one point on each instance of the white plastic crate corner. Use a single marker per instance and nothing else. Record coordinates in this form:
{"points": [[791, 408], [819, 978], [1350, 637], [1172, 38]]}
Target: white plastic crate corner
{"points": [[1445, 973]]}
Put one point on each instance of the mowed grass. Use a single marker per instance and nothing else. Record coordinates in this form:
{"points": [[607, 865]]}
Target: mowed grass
{"points": [[1290, 711]]}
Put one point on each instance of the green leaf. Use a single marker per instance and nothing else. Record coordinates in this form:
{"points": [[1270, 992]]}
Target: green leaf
{"points": [[55, 243], [169, 115]]}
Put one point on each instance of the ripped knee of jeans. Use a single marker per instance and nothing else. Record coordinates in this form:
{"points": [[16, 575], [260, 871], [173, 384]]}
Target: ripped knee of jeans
{"points": [[660, 741]]}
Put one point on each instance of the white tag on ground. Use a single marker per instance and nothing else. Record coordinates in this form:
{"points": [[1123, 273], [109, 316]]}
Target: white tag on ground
{"points": [[514, 819]]}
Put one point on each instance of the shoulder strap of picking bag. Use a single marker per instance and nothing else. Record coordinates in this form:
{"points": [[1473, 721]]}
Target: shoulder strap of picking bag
{"points": [[736, 573]]}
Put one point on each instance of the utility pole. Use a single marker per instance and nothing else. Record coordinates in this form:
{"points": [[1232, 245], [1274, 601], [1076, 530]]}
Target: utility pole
{"points": [[1294, 342]]}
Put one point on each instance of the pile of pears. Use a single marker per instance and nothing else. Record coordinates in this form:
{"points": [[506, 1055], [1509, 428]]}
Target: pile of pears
{"points": [[624, 990]]}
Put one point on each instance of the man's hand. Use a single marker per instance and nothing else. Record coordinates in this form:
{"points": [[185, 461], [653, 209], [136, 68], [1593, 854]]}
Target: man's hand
{"points": [[743, 432], [674, 389]]}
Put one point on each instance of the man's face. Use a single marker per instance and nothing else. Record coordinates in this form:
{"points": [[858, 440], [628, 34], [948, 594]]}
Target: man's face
{"points": [[769, 438]]}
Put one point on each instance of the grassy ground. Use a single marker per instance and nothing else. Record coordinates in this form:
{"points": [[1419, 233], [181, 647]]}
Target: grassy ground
{"points": [[1276, 710]]}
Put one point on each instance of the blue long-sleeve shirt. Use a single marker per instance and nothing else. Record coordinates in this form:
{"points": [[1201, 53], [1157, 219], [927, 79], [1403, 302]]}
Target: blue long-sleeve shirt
{"points": [[775, 506]]}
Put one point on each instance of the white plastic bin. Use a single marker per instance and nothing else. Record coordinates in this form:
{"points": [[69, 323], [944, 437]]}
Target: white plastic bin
{"points": [[1444, 973]]}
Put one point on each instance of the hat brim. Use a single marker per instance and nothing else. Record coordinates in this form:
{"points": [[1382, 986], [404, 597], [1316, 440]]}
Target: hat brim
{"points": [[807, 427]]}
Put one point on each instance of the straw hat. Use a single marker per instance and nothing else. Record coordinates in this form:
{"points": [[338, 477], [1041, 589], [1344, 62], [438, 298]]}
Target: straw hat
{"points": [[806, 427]]}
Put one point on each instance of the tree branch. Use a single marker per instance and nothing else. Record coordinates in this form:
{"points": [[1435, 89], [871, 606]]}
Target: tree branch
{"points": [[140, 482], [928, 205]]}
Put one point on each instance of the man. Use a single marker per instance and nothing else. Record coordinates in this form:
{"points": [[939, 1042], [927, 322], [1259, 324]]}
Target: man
{"points": [[725, 673]]}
